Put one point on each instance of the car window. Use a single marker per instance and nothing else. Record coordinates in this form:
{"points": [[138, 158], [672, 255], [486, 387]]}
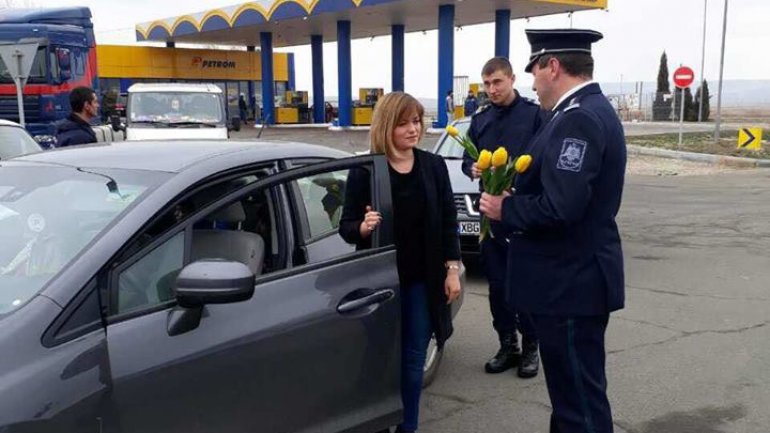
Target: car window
{"points": [[148, 281], [244, 231], [323, 197], [49, 214], [448, 147]]}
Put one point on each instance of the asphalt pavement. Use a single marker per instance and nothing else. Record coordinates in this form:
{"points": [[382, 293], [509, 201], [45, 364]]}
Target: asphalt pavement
{"points": [[688, 354]]}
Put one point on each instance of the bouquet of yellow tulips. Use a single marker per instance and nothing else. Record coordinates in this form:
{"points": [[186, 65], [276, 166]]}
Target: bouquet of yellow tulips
{"points": [[498, 170]]}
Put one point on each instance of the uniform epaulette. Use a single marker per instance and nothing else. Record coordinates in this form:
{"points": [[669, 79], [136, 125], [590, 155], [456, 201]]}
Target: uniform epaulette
{"points": [[482, 109], [574, 103]]}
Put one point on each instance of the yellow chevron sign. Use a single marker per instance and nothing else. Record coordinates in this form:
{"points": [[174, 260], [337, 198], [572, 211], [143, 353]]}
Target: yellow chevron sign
{"points": [[750, 138]]}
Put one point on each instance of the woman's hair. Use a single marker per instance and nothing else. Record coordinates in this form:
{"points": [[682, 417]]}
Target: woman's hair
{"points": [[390, 109]]}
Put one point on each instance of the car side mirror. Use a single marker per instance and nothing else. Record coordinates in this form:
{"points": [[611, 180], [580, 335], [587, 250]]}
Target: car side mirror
{"points": [[208, 281], [234, 124], [115, 123]]}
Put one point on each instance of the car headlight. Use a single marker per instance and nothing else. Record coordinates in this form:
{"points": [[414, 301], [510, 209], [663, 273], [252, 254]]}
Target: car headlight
{"points": [[46, 141]]}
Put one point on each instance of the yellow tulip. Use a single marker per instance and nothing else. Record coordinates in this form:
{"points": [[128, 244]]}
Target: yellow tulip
{"points": [[522, 163], [452, 131], [500, 157], [485, 159]]}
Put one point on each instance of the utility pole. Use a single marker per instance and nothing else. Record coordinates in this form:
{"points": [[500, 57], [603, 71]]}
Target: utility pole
{"points": [[702, 63], [721, 76]]}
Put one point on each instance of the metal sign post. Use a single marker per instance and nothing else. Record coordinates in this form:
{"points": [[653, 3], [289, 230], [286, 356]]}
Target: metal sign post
{"points": [[683, 77], [18, 59]]}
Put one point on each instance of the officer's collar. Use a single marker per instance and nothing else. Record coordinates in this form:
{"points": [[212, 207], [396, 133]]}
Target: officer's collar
{"points": [[570, 93], [512, 104]]}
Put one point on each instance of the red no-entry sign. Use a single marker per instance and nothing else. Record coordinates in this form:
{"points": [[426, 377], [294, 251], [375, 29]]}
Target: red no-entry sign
{"points": [[683, 77]]}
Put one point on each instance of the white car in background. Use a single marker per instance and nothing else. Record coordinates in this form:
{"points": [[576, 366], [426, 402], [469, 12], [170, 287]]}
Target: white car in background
{"points": [[15, 140], [165, 111]]}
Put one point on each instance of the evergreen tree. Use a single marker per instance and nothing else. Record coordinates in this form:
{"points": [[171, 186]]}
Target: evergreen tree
{"points": [[690, 109], [661, 107], [706, 98]]}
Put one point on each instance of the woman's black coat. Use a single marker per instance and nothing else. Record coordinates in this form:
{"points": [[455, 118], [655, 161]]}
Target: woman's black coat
{"points": [[442, 242]]}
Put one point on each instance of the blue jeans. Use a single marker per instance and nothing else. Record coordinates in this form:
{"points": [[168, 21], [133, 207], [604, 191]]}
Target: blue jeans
{"points": [[416, 331]]}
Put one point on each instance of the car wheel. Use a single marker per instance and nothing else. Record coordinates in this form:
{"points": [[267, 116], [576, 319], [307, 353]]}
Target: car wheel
{"points": [[432, 363]]}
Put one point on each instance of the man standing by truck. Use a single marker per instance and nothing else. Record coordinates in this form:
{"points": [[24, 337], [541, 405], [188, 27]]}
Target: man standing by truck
{"points": [[76, 128]]}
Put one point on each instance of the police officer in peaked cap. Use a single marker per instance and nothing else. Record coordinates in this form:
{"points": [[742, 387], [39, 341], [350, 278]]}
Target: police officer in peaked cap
{"points": [[511, 121], [564, 258]]}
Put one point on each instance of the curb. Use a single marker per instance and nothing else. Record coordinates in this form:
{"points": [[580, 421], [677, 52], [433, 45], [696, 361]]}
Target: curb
{"points": [[726, 161]]}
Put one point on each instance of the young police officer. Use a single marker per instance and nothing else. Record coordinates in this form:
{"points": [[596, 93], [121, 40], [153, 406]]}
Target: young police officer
{"points": [[510, 121], [565, 248]]}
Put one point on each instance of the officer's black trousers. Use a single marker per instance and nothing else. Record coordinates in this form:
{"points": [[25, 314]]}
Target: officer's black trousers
{"points": [[494, 260], [572, 352]]}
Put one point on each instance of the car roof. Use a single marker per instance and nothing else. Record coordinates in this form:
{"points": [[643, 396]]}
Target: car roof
{"points": [[176, 155], [4, 122], [175, 87]]}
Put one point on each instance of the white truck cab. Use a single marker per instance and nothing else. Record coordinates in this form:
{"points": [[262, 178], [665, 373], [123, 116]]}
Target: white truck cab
{"points": [[158, 111]]}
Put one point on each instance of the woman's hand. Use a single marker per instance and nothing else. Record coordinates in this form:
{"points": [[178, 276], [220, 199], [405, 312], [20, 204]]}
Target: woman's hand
{"points": [[371, 220], [452, 286]]}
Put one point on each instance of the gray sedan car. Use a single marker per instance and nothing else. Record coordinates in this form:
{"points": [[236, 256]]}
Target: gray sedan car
{"points": [[466, 191], [194, 287]]}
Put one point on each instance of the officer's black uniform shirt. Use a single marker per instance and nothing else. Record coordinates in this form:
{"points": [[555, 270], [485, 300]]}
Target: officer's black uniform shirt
{"points": [[511, 126]]}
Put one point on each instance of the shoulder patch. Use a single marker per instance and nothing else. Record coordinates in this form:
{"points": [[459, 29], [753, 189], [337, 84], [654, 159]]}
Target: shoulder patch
{"points": [[572, 153]]}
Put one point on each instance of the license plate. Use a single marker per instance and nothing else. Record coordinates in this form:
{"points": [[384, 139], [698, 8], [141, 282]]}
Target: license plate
{"points": [[469, 228]]}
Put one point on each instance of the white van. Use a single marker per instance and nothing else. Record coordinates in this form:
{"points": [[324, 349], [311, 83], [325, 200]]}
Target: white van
{"points": [[159, 111]]}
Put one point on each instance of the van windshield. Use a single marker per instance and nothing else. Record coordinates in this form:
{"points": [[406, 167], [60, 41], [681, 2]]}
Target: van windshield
{"points": [[175, 108]]}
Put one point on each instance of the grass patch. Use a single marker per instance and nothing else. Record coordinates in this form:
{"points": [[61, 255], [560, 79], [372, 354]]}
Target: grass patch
{"points": [[700, 142]]}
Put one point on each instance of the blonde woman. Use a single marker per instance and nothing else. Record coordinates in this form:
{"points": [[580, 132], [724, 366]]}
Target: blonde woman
{"points": [[425, 232]]}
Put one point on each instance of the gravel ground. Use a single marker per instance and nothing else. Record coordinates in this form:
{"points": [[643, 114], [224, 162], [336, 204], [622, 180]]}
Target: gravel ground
{"points": [[354, 141], [654, 166]]}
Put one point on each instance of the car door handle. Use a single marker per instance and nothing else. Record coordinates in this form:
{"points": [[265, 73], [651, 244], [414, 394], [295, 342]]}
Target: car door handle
{"points": [[378, 297]]}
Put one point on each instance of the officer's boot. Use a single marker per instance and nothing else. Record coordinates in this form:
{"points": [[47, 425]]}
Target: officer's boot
{"points": [[530, 361], [508, 355]]}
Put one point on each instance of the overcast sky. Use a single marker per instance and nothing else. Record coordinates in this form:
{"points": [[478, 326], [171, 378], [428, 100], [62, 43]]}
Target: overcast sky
{"points": [[635, 34]]}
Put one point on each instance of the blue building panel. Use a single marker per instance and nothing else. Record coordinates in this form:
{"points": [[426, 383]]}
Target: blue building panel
{"points": [[185, 28], [249, 17], [214, 22], [158, 33], [287, 11], [375, 2], [332, 6]]}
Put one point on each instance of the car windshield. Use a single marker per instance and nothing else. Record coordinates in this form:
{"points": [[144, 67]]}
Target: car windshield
{"points": [[176, 107], [15, 141], [449, 147], [48, 215]]}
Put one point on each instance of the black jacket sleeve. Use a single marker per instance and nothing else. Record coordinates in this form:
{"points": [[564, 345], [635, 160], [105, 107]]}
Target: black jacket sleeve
{"points": [[357, 196], [449, 237]]}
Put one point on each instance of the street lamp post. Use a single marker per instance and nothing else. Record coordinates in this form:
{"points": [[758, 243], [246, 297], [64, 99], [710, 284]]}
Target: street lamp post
{"points": [[702, 63], [721, 75]]}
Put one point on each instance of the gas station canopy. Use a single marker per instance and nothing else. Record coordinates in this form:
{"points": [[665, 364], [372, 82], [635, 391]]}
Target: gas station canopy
{"points": [[292, 22]]}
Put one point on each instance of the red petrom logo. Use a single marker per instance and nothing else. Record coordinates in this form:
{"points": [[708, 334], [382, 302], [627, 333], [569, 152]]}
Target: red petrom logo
{"points": [[200, 62]]}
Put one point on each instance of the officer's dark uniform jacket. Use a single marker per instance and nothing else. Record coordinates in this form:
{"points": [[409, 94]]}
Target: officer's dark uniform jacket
{"points": [[565, 255], [511, 126]]}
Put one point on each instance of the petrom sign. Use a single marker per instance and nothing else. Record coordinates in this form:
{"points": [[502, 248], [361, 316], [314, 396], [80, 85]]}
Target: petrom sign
{"points": [[200, 62]]}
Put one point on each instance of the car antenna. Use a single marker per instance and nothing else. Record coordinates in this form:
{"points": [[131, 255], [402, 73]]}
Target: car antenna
{"points": [[112, 185]]}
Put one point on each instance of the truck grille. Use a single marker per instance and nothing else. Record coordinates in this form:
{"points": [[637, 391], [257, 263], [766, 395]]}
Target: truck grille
{"points": [[461, 203], [9, 108]]}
